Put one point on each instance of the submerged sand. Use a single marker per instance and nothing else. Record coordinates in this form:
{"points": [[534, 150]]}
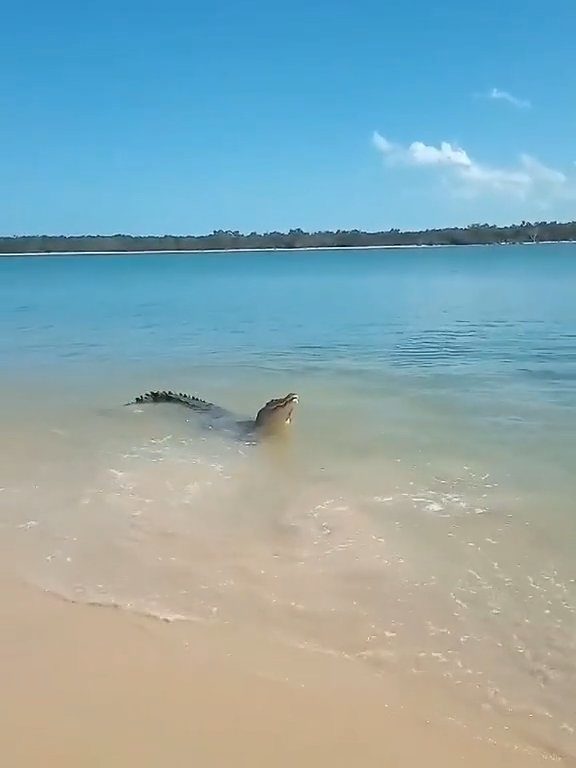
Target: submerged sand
{"points": [[325, 609], [93, 686]]}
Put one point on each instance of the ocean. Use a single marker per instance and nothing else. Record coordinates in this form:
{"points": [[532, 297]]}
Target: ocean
{"points": [[420, 516]]}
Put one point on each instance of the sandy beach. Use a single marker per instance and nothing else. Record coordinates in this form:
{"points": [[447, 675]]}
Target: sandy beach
{"points": [[92, 686], [326, 248]]}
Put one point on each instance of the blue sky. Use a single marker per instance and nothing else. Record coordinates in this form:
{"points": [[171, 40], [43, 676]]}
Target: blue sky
{"points": [[184, 117]]}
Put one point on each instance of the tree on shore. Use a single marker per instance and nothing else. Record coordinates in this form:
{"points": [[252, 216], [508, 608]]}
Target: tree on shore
{"points": [[220, 240]]}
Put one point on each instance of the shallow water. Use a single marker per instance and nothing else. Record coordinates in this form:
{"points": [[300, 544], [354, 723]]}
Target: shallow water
{"points": [[420, 514]]}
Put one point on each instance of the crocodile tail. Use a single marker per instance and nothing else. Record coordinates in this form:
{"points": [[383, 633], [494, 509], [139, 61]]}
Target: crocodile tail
{"points": [[180, 398]]}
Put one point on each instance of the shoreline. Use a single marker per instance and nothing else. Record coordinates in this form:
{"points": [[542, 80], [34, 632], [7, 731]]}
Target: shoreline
{"points": [[105, 687], [282, 250]]}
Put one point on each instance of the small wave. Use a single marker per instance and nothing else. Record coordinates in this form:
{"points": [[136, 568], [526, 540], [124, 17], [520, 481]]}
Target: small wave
{"points": [[111, 603]]}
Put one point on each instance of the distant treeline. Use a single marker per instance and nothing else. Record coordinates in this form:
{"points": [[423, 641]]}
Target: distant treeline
{"points": [[475, 234]]}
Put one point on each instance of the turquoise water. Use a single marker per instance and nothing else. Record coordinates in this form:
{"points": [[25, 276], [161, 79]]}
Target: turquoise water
{"points": [[485, 312], [422, 512]]}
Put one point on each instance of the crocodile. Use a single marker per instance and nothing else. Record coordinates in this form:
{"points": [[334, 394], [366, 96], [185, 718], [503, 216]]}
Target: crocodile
{"points": [[271, 419]]}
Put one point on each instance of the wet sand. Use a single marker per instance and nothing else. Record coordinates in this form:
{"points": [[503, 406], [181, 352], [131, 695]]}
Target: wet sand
{"points": [[92, 686]]}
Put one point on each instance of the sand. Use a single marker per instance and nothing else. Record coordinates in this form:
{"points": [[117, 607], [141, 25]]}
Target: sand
{"points": [[94, 686]]}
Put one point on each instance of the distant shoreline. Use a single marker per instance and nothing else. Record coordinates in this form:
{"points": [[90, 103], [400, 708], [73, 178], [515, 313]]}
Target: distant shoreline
{"points": [[233, 241], [128, 252]]}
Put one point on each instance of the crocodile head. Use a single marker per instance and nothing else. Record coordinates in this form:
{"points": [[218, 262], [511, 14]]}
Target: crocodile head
{"points": [[276, 415]]}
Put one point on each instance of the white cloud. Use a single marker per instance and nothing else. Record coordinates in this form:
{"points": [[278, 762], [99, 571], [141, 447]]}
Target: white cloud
{"points": [[499, 95], [446, 154], [528, 177], [419, 153], [381, 143]]}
